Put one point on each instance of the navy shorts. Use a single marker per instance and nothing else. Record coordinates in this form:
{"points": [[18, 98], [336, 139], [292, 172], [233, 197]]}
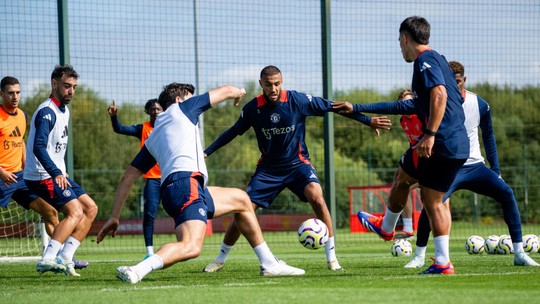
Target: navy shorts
{"points": [[49, 191], [266, 184], [436, 173], [184, 197], [18, 191]]}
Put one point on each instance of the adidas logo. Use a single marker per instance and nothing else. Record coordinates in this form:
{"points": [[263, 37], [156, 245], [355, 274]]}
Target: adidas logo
{"points": [[65, 133], [47, 117], [425, 66], [16, 132]]}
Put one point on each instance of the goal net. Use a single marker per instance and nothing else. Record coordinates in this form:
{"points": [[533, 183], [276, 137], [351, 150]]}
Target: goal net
{"points": [[22, 234]]}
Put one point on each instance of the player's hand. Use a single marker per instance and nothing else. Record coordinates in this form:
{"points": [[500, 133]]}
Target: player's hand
{"points": [[241, 94], [7, 177], [380, 122], [110, 226], [424, 146], [62, 182], [113, 109], [342, 107]]}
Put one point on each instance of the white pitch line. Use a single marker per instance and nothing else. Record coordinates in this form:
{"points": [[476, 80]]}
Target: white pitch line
{"points": [[187, 286]]}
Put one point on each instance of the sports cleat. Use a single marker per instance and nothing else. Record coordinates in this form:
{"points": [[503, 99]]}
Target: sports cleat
{"points": [[69, 268], [279, 269], [128, 275], [80, 264], [404, 235], [523, 259], [374, 224], [53, 265], [415, 262], [213, 267], [439, 269], [334, 265]]}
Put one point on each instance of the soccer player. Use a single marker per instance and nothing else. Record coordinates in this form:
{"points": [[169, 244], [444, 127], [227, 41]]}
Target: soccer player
{"points": [[176, 146], [442, 149], [278, 118], [476, 176], [45, 174], [13, 159], [152, 191]]}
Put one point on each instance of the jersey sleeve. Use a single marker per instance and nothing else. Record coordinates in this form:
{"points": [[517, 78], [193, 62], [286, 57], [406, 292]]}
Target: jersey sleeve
{"points": [[318, 106], [431, 71], [133, 130], [488, 135], [144, 161], [389, 107], [195, 106], [43, 124], [239, 128]]}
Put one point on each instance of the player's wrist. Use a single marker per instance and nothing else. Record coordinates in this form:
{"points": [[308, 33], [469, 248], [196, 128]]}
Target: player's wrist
{"points": [[429, 132]]}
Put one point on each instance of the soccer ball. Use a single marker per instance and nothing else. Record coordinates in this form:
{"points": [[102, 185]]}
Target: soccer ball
{"points": [[313, 234], [474, 244], [505, 245], [530, 243], [401, 247], [491, 244]]}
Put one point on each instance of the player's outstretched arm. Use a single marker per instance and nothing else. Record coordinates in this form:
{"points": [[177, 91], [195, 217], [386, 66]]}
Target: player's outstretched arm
{"points": [[380, 123], [122, 192], [226, 92], [342, 107], [113, 109]]}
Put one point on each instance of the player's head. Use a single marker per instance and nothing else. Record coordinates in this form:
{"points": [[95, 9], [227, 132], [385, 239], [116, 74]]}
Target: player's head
{"points": [[174, 93], [64, 82], [405, 94], [459, 72], [10, 91], [153, 109], [271, 81], [413, 31]]}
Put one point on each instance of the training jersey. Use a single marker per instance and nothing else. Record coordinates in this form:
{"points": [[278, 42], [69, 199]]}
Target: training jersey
{"points": [[175, 142], [412, 127], [141, 131], [280, 129], [478, 114], [12, 129], [47, 141], [430, 70]]}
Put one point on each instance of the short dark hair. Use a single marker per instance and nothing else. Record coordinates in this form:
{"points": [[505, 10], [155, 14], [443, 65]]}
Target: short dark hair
{"points": [[8, 80], [269, 71], [404, 93], [417, 28], [61, 70], [148, 104], [173, 90], [457, 67]]}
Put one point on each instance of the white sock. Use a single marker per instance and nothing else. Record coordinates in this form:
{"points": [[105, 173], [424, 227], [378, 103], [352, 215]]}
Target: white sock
{"points": [[265, 255], [407, 224], [390, 220], [149, 250], [442, 250], [420, 251], [52, 250], [518, 247], [223, 253], [330, 249], [154, 262], [70, 246]]}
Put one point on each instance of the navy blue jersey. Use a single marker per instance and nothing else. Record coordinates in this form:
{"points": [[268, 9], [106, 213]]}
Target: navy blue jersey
{"points": [[280, 129], [430, 70]]}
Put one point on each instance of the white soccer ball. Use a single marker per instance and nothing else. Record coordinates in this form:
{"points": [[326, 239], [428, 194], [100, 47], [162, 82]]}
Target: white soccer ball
{"points": [[313, 234], [491, 244], [474, 244], [505, 245], [401, 247], [530, 243]]}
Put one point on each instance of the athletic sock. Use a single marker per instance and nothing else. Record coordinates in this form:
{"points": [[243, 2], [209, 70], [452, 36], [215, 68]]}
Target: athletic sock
{"points": [[330, 250], [407, 224], [420, 251], [154, 262], [390, 220], [70, 246], [223, 253], [149, 250], [264, 254], [518, 247], [52, 249], [442, 251]]}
